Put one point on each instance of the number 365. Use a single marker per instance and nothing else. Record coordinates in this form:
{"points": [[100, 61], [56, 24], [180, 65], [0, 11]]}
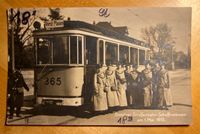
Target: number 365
{"points": [[53, 81]]}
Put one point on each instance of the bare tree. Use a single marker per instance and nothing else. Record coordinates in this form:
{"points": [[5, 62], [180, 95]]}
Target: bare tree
{"points": [[158, 37], [22, 22]]}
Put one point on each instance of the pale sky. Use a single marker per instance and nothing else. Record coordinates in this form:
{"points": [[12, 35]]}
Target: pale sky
{"points": [[137, 18]]}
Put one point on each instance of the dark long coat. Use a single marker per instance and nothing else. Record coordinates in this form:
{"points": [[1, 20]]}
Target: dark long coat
{"points": [[146, 79]]}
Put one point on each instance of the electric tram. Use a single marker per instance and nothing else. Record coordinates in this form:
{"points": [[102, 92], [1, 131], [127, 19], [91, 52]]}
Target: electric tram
{"points": [[67, 53]]}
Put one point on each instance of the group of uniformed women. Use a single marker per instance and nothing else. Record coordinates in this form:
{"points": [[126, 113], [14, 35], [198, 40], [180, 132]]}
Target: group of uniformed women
{"points": [[122, 86]]}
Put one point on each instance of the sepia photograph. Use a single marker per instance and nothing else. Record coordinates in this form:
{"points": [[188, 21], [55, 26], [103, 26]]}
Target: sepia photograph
{"points": [[106, 66]]}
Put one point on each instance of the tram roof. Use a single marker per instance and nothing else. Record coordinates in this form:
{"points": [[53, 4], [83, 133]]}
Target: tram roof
{"points": [[97, 29]]}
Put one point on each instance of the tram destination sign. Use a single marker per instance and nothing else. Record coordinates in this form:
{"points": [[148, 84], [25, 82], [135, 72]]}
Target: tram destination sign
{"points": [[54, 24]]}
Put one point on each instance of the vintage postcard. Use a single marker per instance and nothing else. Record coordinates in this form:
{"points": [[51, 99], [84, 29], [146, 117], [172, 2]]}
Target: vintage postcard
{"points": [[99, 66]]}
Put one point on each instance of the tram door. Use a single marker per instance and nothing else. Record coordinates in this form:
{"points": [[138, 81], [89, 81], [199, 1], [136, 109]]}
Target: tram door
{"points": [[90, 67]]}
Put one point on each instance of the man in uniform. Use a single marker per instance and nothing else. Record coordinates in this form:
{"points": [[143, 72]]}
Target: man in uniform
{"points": [[17, 93]]}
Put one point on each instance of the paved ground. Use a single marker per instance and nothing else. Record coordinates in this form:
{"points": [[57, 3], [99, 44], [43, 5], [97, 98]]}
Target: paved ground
{"points": [[179, 113]]}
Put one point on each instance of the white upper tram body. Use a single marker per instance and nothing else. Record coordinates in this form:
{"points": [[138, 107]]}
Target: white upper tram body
{"points": [[66, 59]]}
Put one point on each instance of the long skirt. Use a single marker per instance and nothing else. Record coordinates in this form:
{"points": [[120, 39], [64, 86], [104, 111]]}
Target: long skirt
{"points": [[161, 97], [100, 102], [112, 98], [129, 95], [139, 97], [147, 96], [155, 96], [168, 96], [133, 96], [122, 96]]}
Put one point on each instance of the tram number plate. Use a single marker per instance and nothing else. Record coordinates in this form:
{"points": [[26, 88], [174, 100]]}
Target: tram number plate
{"points": [[53, 81]]}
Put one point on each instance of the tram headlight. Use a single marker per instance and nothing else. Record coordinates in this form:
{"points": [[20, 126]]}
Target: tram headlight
{"points": [[37, 25]]}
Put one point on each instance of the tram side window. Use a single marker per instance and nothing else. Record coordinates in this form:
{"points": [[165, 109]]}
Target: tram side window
{"points": [[44, 49], [111, 53], [80, 50], [141, 57], [123, 54], [134, 56], [60, 50], [101, 55], [91, 50], [73, 49]]}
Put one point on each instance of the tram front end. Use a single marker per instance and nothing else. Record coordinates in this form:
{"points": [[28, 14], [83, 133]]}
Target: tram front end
{"points": [[59, 70]]}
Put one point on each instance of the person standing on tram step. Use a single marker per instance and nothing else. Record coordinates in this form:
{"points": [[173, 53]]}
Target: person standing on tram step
{"points": [[128, 85], [121, 82], [165, 96], [17, 93], [111, 83], [135, 87], [146, 80], [99, 96], [155, 79]]}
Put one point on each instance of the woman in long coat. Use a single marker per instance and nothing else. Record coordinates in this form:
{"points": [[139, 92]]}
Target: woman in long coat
{"points": [[165, 97], [121, 82], [128, 85], [111, 84], [99, 97], [146, 79], [155, 78], [136, 94]]}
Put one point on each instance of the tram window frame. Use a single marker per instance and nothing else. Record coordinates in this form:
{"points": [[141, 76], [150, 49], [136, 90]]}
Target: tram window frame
{"points": [[50, 60], [79, 44], [66, 44], [91, 50], [141, 57], [101, 52], [134, 56], [73, 50], [123, 53], [78, 56], [115, 60]]}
